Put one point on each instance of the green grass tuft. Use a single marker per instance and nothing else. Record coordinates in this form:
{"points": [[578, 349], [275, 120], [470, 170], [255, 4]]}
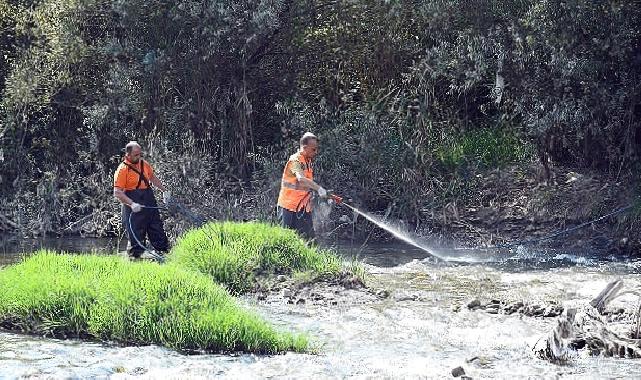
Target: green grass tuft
{"points": [[488, 147], [235, 253], [110, 298]]}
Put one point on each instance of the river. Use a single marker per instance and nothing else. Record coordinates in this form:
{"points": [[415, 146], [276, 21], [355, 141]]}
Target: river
{"points": [[422, 330]]}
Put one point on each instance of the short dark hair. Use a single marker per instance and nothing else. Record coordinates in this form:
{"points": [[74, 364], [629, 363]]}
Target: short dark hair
{"points": [[306, 137]]}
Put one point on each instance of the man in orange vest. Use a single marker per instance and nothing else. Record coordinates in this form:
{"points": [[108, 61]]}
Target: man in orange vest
{"points": [[297, 184], [132, 187]]}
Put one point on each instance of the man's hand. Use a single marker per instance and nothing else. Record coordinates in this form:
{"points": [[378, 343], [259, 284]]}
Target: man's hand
{"points": [[135, 207], [322, 192], [166, 196]]}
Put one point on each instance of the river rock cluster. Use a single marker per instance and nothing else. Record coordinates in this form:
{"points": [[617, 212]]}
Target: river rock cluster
{"points": [[502, 307]]}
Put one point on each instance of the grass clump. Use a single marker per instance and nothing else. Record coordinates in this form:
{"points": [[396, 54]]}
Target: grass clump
{"points": [[235, 253], [110, 298], [489, 147]]}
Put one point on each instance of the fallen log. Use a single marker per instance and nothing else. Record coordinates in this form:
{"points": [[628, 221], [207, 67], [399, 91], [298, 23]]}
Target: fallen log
{"points": [[592, 328]]}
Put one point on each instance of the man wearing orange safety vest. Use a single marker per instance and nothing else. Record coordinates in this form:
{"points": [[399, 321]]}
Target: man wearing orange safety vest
{"points": [[132, 187], [297, 184]]}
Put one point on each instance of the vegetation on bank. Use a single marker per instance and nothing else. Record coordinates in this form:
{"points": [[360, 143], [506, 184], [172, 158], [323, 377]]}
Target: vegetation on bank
{"points": [[234, 254], [397, 91], [112, 299]]}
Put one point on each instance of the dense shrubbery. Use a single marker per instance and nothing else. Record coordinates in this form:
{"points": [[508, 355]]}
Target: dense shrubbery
{"points": [[401, 91]]}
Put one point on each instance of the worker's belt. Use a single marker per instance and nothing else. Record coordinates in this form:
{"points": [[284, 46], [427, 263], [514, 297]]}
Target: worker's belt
{"points": [[293, 186]]}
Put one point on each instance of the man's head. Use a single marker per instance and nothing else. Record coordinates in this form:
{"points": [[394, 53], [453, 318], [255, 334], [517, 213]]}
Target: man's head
{"points": [[309, 145], [133, 152]]}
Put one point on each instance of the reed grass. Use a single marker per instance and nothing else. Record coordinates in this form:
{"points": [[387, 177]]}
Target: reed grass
{"points": [[111, 299]]}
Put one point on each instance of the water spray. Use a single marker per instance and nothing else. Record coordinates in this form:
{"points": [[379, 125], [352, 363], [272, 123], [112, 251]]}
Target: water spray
{"points": [[393, 230], [408, 239]]}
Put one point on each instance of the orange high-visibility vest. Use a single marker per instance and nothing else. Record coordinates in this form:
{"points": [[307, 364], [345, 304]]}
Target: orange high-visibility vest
{"points": [[293, 196]]}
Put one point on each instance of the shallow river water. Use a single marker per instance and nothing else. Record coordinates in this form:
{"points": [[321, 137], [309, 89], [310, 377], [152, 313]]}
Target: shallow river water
{"points": [[413, 333]]}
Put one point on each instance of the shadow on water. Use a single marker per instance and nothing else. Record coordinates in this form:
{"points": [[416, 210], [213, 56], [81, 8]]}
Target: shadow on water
{"points": [[410, 247], [13, 251], [385, 255]]}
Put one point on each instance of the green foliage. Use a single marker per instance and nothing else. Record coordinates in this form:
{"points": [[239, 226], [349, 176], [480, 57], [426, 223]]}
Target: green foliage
{"points": [[234, 253], [112, 299], [485, 147], [400, 89]]}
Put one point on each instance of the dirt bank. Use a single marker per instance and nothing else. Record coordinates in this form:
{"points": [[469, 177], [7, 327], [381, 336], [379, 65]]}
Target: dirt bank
{"points": [[514, 204]]}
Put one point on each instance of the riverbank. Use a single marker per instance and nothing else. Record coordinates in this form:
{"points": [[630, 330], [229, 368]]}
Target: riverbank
{"points": [[515, 206], [493, 207]]}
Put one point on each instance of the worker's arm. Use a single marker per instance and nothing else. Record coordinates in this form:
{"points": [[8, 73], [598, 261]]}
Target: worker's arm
{"points": [[166, 195], [124, 199], [307, 183], [156, 182]]}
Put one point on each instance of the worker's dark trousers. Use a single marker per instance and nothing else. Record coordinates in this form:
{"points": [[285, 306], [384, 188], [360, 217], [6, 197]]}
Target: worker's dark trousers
{"points": [[145, 224], [300, 221]]}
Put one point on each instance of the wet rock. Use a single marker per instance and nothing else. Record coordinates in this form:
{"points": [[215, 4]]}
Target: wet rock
{"points": [[316, 296], [290, 301], [300, 301], [513, 308], [261, 296], [492, 308], [405, 297], [138, 371], [458, 371], [618, 311], [552, 311], [578, 343], [533, 310], [382, 294], [456, 308], [281, 278], [352, 282], [474, 304], [287, 293]]}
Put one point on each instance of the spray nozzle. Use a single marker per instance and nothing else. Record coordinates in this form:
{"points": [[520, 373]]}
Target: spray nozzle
{"points": [[333, 197]]}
